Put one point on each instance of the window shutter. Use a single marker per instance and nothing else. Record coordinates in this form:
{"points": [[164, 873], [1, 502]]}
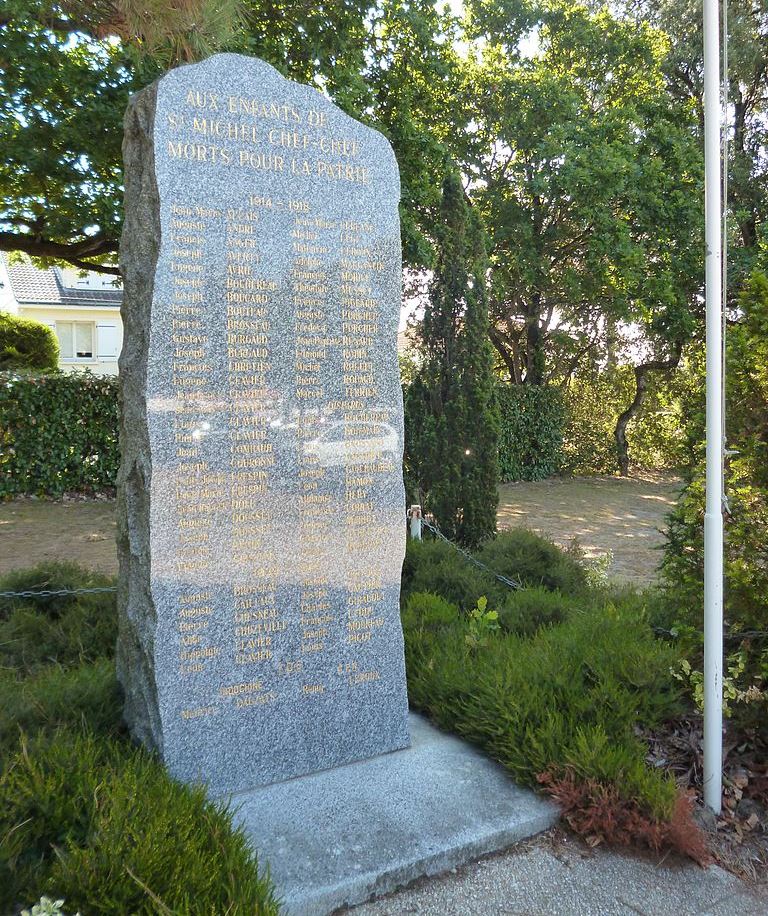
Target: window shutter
{"points": [[107, 341]]}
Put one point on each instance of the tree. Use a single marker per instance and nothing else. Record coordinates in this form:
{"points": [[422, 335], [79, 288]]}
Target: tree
{"points": [[588, 178], [452, 422], [747, 40], [69, 67]]}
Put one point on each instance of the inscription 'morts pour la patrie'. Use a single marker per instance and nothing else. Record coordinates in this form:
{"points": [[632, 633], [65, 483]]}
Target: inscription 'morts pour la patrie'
{"points": [[260, 495]]}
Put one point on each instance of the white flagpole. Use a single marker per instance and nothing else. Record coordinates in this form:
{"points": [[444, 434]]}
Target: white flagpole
{"points": [[713, 518]]}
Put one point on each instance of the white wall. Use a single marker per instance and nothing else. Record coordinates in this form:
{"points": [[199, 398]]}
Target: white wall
{"points": [[107, 333]]}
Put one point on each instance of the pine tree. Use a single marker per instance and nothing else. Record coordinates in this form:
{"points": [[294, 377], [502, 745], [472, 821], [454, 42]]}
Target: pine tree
{"points": [[452, 427]]}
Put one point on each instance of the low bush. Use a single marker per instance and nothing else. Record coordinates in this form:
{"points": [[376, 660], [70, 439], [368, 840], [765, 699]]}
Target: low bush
{"points": [[26, 344], [518, 555], [101, 824], [434, 566], [566, 700], [423, 610], [87, 696], [84, 815], [527, 610], [533, 560], [58, 434], [63, 629]]}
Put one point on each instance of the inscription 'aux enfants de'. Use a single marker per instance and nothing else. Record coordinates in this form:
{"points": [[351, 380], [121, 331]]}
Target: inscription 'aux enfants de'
{"points": [[217, 138], [260, 494]]}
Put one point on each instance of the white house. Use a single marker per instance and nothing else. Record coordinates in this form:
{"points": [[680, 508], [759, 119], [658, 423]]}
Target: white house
{"points": [[83, 310]]}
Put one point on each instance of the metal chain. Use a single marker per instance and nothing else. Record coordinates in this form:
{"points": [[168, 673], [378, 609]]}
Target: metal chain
{"points": [[59, 591], [510, 583], [51, 593]]}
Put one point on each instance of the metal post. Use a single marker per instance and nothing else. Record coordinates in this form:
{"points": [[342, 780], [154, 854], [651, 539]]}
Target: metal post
{"points": [[713, 518], [415, 515]]}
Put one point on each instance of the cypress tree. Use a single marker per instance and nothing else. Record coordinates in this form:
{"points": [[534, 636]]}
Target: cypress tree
{"points": [[452, 427]]}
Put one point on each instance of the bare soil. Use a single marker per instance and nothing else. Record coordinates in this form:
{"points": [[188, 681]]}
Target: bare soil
{"points": [[33, 531], [623, 517], [607, 515]]}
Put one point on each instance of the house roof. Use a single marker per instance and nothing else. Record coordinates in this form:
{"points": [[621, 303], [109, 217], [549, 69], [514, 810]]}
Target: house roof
{"points": [[31, 285]]}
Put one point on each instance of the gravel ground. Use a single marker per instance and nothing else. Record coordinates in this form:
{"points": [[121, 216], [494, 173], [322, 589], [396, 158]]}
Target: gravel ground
{"points": [[556, 874], [621, 516]]}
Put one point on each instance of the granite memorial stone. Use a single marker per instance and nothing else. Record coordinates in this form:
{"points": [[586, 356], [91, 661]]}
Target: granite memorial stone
{"points": [[260, 501]]}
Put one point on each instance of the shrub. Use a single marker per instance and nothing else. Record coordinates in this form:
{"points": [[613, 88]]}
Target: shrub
{"points": [[102, 825], [532, 418], [529, 609], [567, 699], [84, 815], [434, 566], [423, 610], [87, 696], [26, 344], [65, 629], [533, 560], [58, 434], [746, 529]]}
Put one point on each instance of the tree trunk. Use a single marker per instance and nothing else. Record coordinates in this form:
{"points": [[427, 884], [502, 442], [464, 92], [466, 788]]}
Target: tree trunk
{"points": [[642, 377]]}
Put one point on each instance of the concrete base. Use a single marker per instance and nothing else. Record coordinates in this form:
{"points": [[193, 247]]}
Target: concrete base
{"points": [[341, 836]]}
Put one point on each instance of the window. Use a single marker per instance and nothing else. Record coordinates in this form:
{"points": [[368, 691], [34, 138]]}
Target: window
{"points": [[75, 339], [107, 341]]}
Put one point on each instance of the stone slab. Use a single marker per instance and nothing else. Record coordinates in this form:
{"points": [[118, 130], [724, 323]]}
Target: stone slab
{"points": [[260, 497], [337, 838]]}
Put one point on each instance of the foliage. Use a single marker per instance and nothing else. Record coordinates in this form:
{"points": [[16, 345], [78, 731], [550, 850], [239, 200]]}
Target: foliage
{"points": [[56, 654], [600, 813], [531, 421], [101, 824], [527, 610], [433, 566], [27, 344], [452, 428], [58, 434], [531, 559], [84, 815], [594, 401], [425, 610], [43, 702], [746, 527], [70, 629], [588, 177], [566, 699], [681, 20], [481, 624]]}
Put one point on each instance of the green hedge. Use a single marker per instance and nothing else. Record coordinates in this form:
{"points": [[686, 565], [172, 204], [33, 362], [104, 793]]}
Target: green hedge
{"points": [[27, 344], [532, 419], [58, 434]]}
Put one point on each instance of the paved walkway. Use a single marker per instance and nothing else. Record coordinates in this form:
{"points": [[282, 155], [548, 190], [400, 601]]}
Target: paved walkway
{"points": [[555, 875]]}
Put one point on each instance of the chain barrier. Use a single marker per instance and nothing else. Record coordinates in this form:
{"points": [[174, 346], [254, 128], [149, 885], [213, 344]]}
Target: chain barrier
{"points": [[510, 583], [55, 593], [48, 593]]}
